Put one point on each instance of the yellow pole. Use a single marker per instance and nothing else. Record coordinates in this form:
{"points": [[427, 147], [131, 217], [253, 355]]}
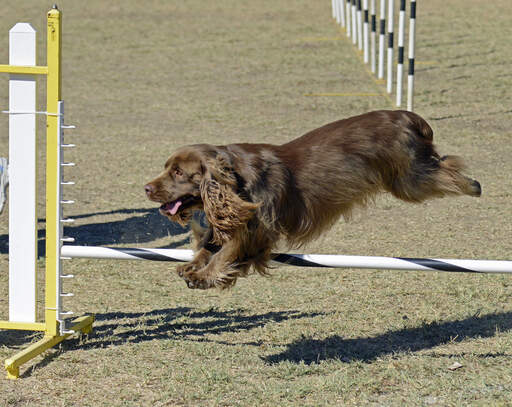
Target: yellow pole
{"points": [[53, 95]]}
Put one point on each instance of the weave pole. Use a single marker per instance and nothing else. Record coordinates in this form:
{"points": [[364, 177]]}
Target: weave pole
{"points": [[366, 33], [302, 260], [354, 22], [412, 44], [373, 37], [400, 65], [391, 10], [359, 26], [382, 35], [362, 27], [348, 18]]}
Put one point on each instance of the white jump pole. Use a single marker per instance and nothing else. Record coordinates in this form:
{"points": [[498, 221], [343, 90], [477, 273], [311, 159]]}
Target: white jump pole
{"points": [[302, 260], [22, 174]]}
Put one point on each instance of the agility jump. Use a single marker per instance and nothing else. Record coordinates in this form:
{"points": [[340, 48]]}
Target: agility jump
{"points": [[58, 324]]}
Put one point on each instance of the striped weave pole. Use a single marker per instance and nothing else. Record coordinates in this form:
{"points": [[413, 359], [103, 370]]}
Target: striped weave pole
{"points": [[349, 20], [400, 65], [359, 26], [354, 22], [391, 9], [366, 33], [412, 42], [341, 12], [382, 35], [373, 37], [302, 260]]}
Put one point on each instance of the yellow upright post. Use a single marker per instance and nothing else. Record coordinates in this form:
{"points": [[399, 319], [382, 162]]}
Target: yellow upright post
{"points": [[53, 95], [50, 326]]}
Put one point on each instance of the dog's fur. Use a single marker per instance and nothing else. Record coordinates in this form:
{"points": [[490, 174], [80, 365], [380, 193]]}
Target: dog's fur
{"points": [[255, 194]]}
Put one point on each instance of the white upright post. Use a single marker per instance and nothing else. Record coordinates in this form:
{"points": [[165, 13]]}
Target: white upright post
{"points": [[22, 177]]}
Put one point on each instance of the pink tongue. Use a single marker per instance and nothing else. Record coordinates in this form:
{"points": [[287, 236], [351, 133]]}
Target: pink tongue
{"points": [[175, 208]]}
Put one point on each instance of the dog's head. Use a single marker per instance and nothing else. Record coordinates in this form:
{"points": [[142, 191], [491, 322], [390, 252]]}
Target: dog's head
{"points": [[201, 177]]}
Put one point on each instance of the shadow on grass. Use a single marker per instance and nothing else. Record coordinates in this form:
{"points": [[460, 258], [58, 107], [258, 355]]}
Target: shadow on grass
{"points": [[145, 226], [119, 328], [428, 336]]}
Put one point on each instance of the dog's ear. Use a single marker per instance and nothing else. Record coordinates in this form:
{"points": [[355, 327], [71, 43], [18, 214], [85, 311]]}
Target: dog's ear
{"points": [[225, 210]]}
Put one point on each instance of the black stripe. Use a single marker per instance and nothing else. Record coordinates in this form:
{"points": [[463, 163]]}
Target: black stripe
{"points": [[411, 66], [295, 261], [358, 5], [374, 23], [366, 16], [400, 55], [438, 265], [383, 26], [413, 9], [354, 2], [143, 254], [402, 5], [390, 40]]}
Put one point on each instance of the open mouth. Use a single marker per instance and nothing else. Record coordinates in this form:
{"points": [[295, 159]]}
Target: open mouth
{"points": [[172, 208]]}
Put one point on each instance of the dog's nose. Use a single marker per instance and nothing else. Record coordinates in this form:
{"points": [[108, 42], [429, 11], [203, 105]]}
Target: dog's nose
{"points": [[149, 188]]}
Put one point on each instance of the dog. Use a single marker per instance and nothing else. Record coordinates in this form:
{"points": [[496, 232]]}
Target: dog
{"points": [[253, 195]]}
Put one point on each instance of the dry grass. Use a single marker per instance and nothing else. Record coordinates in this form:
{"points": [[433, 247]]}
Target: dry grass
{"points": [[142, 78]]}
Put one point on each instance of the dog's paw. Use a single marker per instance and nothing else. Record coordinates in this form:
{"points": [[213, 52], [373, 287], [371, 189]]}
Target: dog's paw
{"points": [[186, 268], [196, 280]]}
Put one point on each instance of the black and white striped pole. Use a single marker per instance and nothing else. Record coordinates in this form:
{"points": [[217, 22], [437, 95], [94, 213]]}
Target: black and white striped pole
{"points": [[391, 9], [412, 43], [400, 65], [366, 33], [373, 37], [359, 16], [354, 22], [302, 260], [382, 36]]}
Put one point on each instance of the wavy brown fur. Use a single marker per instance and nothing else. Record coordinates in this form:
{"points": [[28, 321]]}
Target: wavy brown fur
{"points": [[256, 194]]}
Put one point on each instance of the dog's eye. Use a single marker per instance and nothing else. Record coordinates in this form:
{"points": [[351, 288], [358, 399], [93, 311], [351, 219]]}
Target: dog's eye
{"points": [[178, 172]]}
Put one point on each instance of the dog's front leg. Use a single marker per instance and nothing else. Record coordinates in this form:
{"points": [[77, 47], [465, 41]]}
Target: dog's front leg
{"points": [[219, 272], [203, 253]]}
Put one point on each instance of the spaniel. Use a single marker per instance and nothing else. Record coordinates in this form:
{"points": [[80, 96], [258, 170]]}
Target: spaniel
{"points": [[253, 195]]}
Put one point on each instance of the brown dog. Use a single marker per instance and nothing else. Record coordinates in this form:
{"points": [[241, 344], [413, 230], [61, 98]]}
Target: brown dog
{"points": [[255, 194]]}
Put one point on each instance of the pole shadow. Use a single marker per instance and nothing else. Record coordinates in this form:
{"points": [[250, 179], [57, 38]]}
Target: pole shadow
{"points": [[145, 226], [427, 336]]}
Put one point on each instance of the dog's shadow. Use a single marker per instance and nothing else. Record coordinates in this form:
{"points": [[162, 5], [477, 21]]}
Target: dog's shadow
{"points": [[144, 226], [427, 336]]}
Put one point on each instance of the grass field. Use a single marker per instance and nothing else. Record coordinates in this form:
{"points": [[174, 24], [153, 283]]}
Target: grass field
{"points": [[141, 79]]}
